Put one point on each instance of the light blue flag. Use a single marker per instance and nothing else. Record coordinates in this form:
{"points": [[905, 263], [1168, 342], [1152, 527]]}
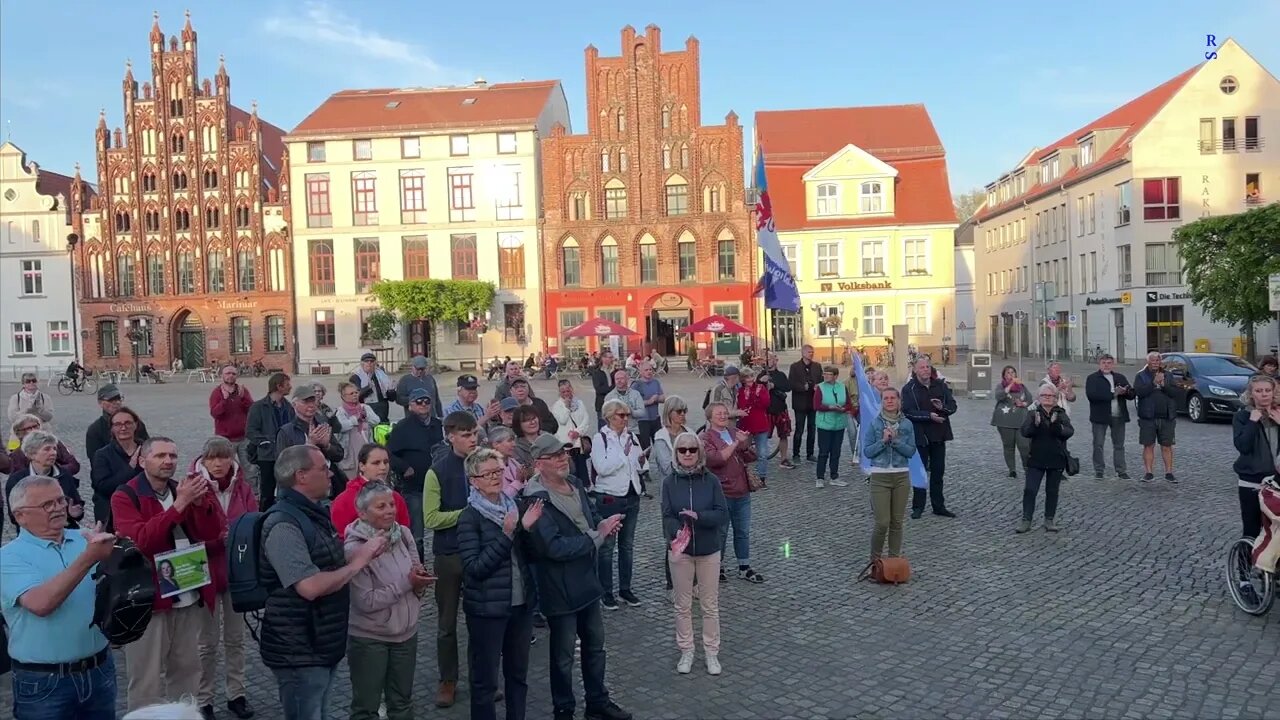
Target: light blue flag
{"points": [[869, 407]]}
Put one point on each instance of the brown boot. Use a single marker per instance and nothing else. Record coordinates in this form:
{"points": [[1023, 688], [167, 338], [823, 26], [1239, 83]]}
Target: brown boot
{"points": [[446, 694]]}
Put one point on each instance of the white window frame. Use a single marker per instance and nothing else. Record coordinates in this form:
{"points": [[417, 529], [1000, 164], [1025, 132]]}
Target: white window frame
{"points": [[22, 338], [1086, 153], [33, 271], [917, 262], [915, 315], [507, 201], [1124, 203], [792, 253], [410, 147], [873, 322], [459, 145], [59, 337], [508, 144], [829, 263], [871, 197], [881, 255], [829, 203], [367, 155]]}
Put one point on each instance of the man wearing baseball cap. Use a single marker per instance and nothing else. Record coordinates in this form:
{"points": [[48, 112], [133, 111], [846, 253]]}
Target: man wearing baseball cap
{"points": [[419, 376], [565, 539]]}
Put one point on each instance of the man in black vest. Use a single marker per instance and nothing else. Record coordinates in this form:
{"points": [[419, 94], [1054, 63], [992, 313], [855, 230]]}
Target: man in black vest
{"points": [[304, 626], [444, 498]]}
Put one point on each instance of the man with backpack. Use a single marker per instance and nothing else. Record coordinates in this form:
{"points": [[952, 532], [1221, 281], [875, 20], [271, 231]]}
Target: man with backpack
{"points": [[160, 515], [62, 667], [302, 583]]}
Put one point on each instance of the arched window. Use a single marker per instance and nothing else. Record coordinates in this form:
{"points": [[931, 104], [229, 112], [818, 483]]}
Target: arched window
{"points": [[242, 215], [726, 255], [215, 270], [622, 121], [211, 178], [148, 181], [684, 156], [123, 223], [677, 196], [828, 199], [604, 161], [688, 257], [622, 160], [571, 261], [609, 261], [179, 180], [212, 218], [177, 143], [182, 219], [321, 260], [871, 197], [648, 259], [666, 117], [666, 157], [615, 200]]}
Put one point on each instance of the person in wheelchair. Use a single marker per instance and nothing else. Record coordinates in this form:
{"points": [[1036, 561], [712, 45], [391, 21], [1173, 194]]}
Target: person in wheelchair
{"points": [[1256, 434]]}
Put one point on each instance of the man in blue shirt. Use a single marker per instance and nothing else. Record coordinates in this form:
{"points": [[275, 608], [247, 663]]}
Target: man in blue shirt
{"points": [[62, 667]]}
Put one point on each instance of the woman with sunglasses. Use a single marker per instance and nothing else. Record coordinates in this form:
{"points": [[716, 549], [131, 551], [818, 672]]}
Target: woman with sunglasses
{"points": [[694, 511], [618, 460], [675, 411], [30, 400], [66, 462]]}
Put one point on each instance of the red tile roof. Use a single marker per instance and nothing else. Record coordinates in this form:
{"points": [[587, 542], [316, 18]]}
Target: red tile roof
{"points": [[272, 146], [1132, 117], [360, 111], [886, 131], [903, 136], [52, 183]]}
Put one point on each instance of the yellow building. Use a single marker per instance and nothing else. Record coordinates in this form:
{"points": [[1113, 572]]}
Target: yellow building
{"points": [[420, 184], [863, 211]]}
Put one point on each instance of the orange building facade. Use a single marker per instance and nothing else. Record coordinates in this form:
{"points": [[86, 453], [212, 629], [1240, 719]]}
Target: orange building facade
{"points": [[645, 220], [184, 254]]}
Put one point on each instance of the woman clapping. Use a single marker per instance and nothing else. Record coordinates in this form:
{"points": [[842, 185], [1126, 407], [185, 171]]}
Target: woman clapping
{"points": [[1048, 426]]}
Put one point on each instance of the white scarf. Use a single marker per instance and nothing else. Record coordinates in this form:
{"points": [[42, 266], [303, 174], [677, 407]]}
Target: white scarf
{"points": [[382, 380]]}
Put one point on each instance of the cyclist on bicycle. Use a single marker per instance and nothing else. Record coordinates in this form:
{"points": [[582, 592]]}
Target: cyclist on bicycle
{"points": [[1256, 433], [75, 372]]}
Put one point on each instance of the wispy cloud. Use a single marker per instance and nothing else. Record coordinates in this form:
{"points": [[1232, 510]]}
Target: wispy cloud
{"points": [[324, 31]]}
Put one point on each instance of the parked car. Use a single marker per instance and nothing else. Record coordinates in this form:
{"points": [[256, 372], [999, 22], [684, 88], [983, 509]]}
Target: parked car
{"points": [[1207, 385]]}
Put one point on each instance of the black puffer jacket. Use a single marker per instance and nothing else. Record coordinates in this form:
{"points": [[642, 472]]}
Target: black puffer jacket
{"points": [[1048, 437], [565, 556], [486, 554]]}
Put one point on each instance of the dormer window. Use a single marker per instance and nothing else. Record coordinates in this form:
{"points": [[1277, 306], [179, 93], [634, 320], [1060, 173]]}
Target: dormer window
{"points": [[828, 199], [871, 197], [1086, 153]]}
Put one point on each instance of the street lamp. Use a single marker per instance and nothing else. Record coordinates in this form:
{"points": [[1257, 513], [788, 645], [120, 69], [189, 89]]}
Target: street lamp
{"points": [[135, 338], [73, 240], [831, 316]]}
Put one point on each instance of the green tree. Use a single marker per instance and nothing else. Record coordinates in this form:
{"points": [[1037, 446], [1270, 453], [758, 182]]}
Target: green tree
{"points": [[967, 203], [383, 325], [435, 300], [1227, 260]]}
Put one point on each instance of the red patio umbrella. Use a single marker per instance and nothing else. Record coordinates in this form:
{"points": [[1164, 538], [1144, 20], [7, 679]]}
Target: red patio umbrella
{"points": [[717, 324], [599, 327]]}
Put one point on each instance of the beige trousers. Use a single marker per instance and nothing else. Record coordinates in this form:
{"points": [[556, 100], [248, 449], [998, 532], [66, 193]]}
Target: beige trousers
{"points": [[226, 627], [164, 664], [706, 568]]}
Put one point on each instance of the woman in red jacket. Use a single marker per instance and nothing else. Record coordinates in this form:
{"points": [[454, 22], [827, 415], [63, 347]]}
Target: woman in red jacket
{"points": [[754, 399], [375, 466], [224, 626]]}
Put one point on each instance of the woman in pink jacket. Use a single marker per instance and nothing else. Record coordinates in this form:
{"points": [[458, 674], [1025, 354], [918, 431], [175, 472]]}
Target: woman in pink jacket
{"points": [[754, 400], [223, 626]]}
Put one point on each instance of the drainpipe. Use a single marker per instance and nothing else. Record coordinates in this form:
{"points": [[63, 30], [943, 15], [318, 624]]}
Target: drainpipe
{"points": [[1071, 295]]}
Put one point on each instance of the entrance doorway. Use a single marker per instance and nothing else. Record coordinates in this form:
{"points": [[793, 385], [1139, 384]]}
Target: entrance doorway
{"points": [[663, 331], [191, 343], [421, 338], [786, 328], [1164, 328]]}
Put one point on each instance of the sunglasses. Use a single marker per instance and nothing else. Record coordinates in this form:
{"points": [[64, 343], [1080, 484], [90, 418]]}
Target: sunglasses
{"points": [[627, 414], [687, 450], [682, 411], [32, 381], [422, 402]]}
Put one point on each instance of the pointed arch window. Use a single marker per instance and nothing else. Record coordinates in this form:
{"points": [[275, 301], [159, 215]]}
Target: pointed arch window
{"points": [[177, 143], [684, 156], [666, 157], [148, 181], [648, 260], [186, 271], [604, 161], [155, 272], [212, 218], [727, 256], [215, 270], [666, 117], [571, 261], [242, 215], [126, 280], [622, 121], [623, 163], [124, 223], [151, 220], [609, 275], [179, 180], [211, 178], [246, 270], [688, 257], [182, 219]]}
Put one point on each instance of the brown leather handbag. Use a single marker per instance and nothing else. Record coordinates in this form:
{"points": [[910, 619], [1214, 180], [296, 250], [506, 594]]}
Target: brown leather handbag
{"points": [[887, 570]]}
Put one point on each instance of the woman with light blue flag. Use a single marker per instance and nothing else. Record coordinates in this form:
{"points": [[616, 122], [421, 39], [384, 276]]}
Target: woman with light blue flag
{"points": [[869, 398]]}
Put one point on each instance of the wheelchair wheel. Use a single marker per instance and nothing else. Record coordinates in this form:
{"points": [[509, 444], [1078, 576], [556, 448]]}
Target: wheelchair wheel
{"points": [[1251, 589]]}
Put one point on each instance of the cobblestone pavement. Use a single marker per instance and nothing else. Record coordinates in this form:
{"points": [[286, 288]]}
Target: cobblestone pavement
{"points": [[1122, 614]]}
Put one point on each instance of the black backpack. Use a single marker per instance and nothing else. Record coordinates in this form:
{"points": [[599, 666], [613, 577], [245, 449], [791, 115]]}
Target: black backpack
{"points": [[125, 595], [245, 557]]}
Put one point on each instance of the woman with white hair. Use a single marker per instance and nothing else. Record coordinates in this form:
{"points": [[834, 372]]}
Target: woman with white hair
{"points": [[24, 424], [386, 597], [41, 451], [618, 459], [694, 510], [30, 400]]}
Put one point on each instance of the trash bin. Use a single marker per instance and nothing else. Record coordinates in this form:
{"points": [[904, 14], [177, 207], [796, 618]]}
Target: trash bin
{"points": [[980, 375]]}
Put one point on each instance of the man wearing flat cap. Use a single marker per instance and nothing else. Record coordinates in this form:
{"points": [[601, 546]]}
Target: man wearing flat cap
{"points": [[375, 386]]}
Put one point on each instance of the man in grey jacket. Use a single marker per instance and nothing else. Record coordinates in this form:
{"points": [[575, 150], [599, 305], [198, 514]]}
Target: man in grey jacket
{"points": [[418, 377]]}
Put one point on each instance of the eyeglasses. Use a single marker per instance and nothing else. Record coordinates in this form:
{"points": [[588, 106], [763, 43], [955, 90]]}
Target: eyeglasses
{"points": [[687, 450], [490, 474], [28, 428], [48, 506], [124, 424]]}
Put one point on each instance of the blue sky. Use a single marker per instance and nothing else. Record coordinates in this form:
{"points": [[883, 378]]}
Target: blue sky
{"points": [[997, 81]]}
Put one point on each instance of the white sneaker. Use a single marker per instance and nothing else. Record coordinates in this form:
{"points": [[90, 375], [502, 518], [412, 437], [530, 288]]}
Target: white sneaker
{"points": [[685, 666], [819, 484], [839, 483], [713, 664]]}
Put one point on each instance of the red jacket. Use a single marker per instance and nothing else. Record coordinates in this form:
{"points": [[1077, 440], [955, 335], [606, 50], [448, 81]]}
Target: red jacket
{"points": [[756, 402], [343, 509], [732, 472], [230, 413], [151, 527], [236, 501]]}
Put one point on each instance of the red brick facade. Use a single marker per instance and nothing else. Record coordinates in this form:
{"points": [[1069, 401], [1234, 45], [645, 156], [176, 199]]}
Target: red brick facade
{"points": [[611, 191], [187, 241]]}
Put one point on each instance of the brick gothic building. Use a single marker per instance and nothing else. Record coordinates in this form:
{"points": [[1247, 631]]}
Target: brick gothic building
{"points": [[645, 220], [185, 251]]}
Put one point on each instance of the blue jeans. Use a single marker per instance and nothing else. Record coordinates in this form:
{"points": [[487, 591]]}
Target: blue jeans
{"points": [[740, 518], [304, 692], [829, 452], [629, 508], [588, 625], [88, 695], [761, 441], [413, 498]]}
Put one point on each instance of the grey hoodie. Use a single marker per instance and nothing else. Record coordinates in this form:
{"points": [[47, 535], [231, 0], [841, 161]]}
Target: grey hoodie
{"points": [[383, 604]]}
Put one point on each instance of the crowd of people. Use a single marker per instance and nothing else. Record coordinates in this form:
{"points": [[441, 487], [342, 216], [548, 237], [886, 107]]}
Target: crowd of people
{"points": [[532, 508]]}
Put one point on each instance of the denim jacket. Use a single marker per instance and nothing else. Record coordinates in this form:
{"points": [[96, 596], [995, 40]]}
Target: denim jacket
{"points": [[888, 455]]}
